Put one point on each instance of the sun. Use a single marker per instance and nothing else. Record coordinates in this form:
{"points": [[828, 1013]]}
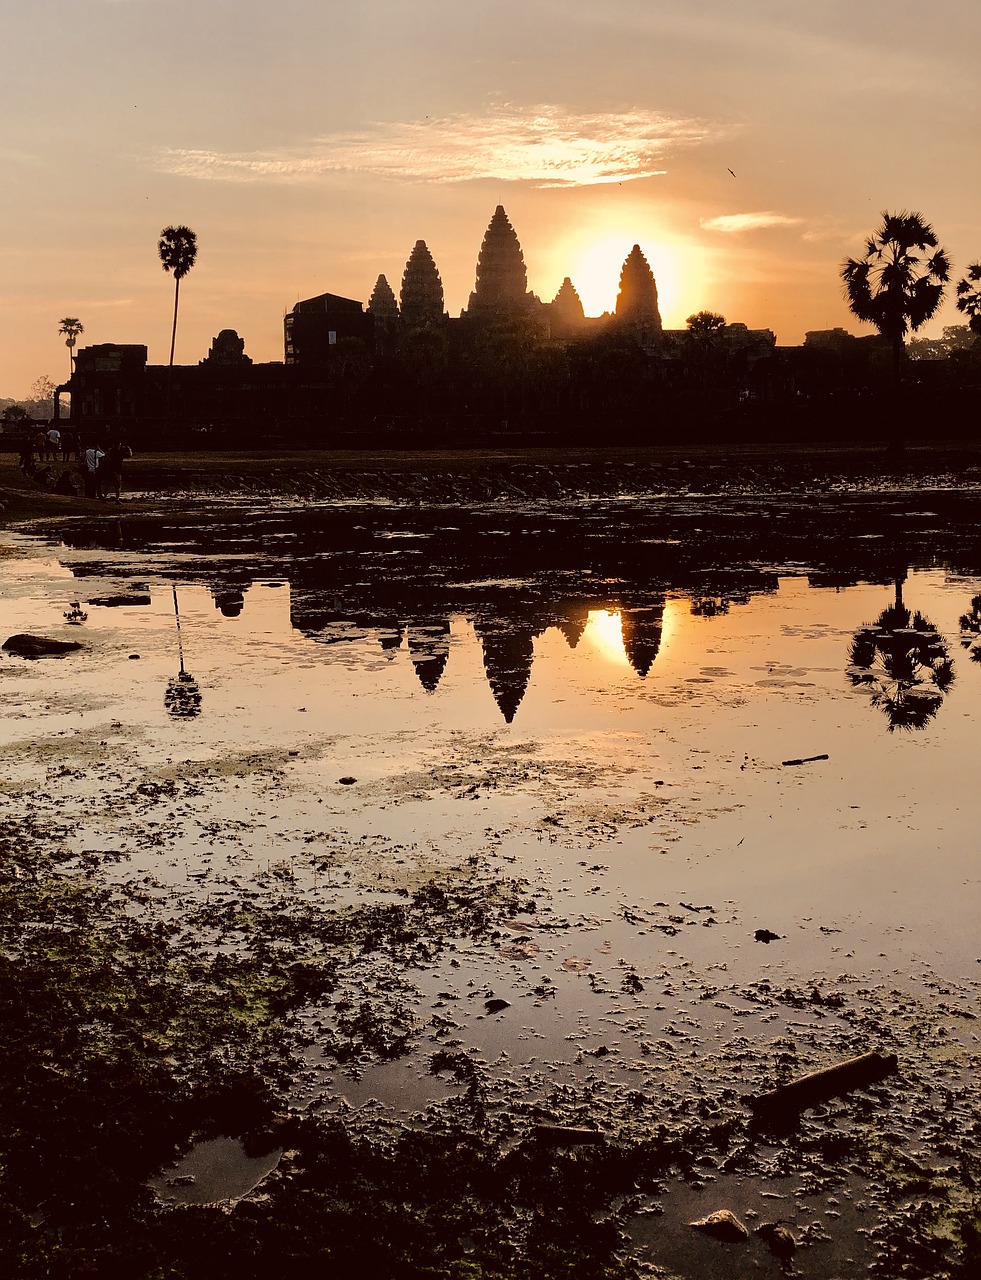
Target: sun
{"points": [[593, 262], [604, 633]]}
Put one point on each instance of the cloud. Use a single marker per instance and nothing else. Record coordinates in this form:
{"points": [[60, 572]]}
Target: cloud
{"points": [[734, 222], [544, 145]]}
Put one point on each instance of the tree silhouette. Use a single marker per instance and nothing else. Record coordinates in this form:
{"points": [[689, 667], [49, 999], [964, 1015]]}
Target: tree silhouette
{"points": [[970, 624], [895, 286], [902, 660], [969, 296], [178, 249], [183, 695], [70, 328]]}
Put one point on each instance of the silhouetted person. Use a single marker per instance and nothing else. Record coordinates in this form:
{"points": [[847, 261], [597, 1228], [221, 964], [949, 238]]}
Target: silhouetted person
{"points": [[92, 461], [111, 468]]}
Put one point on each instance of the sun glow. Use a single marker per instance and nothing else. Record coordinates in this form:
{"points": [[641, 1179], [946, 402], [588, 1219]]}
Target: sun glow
{"points": [[603, 632], [593, 265]]}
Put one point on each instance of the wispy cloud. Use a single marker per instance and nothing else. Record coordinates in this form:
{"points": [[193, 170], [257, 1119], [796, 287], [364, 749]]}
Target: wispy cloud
{"points": [[545, 145], [735, 222]]}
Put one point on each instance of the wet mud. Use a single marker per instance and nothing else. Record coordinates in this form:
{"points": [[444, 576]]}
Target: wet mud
{"points": [[509, 851]]}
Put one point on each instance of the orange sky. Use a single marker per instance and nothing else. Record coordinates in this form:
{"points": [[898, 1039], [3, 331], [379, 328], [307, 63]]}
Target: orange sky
{"points": [[310, 145]]}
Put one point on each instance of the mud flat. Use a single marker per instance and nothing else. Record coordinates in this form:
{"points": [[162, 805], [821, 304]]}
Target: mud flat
{"points": [[348, 969]]}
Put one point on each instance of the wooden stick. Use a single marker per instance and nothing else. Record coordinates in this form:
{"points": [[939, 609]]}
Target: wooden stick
{"points": [[854, 1073], [561, 1136], [806, 759]]}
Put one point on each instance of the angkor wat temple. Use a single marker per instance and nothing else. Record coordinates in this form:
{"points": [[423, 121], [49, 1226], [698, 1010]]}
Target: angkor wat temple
{"points": [[510, 366]]}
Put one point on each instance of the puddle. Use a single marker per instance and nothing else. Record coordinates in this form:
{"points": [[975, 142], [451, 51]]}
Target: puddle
{"points": [[216, 1169]]}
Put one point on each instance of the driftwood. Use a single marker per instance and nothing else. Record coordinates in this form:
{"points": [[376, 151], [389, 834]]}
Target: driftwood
{"points": [[805, 759], [829, 1082], [562, 1136]]}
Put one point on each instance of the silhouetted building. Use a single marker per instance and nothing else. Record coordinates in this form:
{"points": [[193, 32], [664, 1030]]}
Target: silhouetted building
{"points": [[637, 298], [317, 325], [508, 652], [565, 311], [501, 288], [429, 649], [421, 298], [227, 349], [641, 631], [382, 304]]}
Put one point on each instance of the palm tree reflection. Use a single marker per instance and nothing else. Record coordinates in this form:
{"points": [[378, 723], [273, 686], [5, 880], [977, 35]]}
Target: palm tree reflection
{"points": [[903, 662], [183, 696], [971, 630]]}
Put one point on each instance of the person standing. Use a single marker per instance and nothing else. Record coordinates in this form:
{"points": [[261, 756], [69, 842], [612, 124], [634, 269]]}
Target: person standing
{"points": [[54, 443], [111, 467], [92, 459]]}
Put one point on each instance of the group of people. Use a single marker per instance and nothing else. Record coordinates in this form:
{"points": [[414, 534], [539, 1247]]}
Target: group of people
{"points": [[100, 469]]}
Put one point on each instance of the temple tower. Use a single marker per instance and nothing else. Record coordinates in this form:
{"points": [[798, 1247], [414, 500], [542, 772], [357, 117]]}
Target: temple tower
{"points": [[501, 288], [421, 298], [382, 304], [637, 299]]}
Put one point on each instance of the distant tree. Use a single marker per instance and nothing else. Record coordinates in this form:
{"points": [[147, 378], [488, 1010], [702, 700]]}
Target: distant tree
{"points": [[705, 322], [15, 415], [969, 296], [178, 249], [956, 337], [71, 328], [896, 286], [40, 400]]}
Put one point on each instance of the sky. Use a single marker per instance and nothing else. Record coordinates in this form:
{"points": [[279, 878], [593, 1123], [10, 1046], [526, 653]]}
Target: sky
{"points": [[748, 147]]}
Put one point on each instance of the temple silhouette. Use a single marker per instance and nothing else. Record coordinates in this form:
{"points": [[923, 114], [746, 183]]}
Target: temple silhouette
{"points": [[399, 367]]}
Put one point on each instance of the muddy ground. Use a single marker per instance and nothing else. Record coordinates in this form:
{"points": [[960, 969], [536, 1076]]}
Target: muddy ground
{"points": [[182, 1045]]}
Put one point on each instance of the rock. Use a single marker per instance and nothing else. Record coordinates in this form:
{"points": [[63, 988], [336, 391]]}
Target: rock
{"points": [[780, 1239], [764, 935], [495, 1006], [722, 1225], [347, 782], [28, 646]]}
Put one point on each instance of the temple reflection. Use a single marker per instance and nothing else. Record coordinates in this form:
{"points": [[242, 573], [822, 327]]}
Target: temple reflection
{"points": [[407, 584]]}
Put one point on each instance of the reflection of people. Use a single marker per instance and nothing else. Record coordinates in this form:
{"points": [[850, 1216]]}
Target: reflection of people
{"points": [[91, 460], [112, 467]]}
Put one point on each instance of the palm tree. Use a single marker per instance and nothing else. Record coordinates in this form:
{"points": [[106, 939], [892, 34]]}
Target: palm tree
{"points": [[969, 296], [71, 327], [902, 660], [894, 286], [178, 249]]}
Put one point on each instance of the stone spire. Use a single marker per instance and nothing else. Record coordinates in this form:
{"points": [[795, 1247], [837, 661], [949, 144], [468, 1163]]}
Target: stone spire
{"points": [[502, 281], [421, 298], [382, 304], [637, 299], [567, 308]]}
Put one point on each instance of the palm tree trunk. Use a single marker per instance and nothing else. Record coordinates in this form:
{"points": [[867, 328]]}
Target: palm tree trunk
{"points": [[173, 335]]}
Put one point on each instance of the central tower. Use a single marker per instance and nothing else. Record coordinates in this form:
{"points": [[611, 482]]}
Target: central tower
{"points": [[502, 281]]}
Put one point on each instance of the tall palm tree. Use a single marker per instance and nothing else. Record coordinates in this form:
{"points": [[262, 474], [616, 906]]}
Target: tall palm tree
{"points": [[969, 296], [896, 286], [178, 249], [71, 327]]}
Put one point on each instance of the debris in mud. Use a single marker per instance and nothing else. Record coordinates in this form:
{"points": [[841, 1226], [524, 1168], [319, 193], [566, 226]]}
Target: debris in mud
{"points": [[347, 781], [806, 759], [817, 1086], [496, 1006], [722, 1225], [767, 936], [558, 1135], [30, 646]]}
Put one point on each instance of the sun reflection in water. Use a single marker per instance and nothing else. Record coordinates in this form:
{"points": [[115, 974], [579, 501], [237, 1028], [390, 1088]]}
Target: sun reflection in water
{"points": [[605, 634]]}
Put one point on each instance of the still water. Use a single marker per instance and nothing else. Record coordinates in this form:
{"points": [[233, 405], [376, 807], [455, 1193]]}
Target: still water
{"points": [[675, 725]]}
